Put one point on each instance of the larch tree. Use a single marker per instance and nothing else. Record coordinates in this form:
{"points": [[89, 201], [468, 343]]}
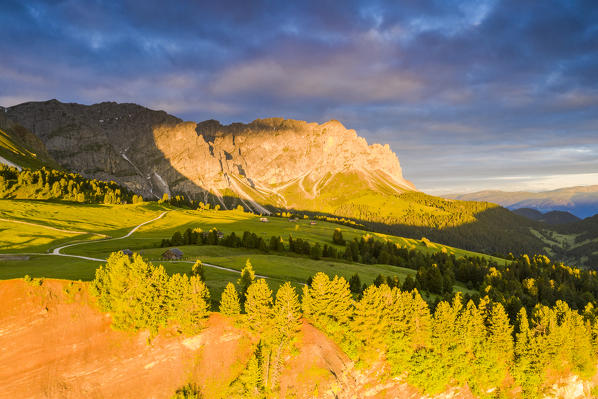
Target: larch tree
{"points": [[499, 344], [229, 301], [409, 325], [247, 278], [287, 321], [258, 306], [369, 321], [198, 269], [329, 305]]}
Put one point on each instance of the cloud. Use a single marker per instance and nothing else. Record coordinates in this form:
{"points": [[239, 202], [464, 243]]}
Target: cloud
{"points": [[464, 91]]}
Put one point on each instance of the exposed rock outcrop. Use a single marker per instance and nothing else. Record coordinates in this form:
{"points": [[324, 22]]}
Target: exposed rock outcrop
{"points": [[268, 161]]}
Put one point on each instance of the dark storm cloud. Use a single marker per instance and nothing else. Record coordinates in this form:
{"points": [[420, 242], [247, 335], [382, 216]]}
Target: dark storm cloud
{"points": [[464, 91]]}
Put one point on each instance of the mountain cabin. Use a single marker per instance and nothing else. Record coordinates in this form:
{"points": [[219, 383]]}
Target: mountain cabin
{"points": [[172, 254]]}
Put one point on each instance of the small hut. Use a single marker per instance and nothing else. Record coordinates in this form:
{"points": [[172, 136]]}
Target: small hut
{"points": [[172, 254]]}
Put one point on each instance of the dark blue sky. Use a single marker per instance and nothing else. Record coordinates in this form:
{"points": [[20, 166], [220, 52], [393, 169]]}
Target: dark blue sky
{"points": [[470, 94]]}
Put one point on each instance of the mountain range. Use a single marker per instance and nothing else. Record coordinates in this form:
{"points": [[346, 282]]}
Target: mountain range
{"points": [[581, 201], [552, 217], [269, 161], [264, 166]]}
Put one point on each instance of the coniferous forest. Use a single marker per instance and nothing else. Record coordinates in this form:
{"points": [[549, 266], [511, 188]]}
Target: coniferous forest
{"points": [[55, 184], [515, 282], [453, 343]]}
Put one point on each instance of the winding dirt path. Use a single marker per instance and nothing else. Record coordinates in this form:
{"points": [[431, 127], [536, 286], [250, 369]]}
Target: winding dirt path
{"points": [[56, 251]]}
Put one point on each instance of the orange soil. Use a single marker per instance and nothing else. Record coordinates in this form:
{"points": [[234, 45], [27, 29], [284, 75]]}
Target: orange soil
{"points": [[54, 347]]}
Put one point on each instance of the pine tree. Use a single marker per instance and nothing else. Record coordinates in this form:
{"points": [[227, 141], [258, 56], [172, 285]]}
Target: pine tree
{"points": [[499, 347], [409, 324], [337, 237], [287, 321], [177, 238], [528, 367], [189, 302], [287, 312], [198, 270], [328, 304], [247, 278], [229, 301], [249, 385], [316, 251], [473, 364], [258, 306], [369, 323], [355, 284], [432, 368]]}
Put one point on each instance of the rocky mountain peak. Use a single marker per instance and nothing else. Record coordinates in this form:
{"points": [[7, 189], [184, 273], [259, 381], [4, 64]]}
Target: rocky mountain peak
{"points": [[153, 152]]}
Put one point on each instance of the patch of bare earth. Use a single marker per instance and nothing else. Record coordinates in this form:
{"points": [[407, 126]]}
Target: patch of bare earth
{"points": [[54, 345]]}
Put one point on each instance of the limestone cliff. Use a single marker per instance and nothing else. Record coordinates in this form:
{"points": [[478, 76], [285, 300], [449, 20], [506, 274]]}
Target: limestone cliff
{"points": [[268, 161]]}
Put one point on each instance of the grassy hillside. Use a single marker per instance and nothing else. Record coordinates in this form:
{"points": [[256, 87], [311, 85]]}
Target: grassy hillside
{"points": [[371, 199], [576, 242], [51, 224], [15, 153], [21, 147]]}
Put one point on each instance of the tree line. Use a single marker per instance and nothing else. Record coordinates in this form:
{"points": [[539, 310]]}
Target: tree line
{"points": [[456, 343], [47, 184], [518, 282]]}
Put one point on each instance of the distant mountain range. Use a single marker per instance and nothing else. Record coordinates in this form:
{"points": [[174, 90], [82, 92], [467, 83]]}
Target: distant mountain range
{"points": [[552, 217], [581, 201]]}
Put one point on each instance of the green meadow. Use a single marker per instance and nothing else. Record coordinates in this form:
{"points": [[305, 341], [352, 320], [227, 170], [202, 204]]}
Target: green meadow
{"points": [[38, 227]]}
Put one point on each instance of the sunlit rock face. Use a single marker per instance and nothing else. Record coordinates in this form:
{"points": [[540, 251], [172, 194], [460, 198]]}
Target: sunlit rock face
{"points": [[268, 161]]}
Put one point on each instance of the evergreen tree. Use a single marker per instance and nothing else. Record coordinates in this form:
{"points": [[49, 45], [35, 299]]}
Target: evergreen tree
{"points": [[177, 239], [316, 251], [369, 322], [529, 365], [287, 321], [134, 292], [409, 328], [258, 306], [273, 243], [328, 304], [198, 270], [247, 278], [189, 391], [499, 346], [379, 280], [287, 313], [355, 284], [229, 301], [189, 302], [337, 237], [249, 385]]}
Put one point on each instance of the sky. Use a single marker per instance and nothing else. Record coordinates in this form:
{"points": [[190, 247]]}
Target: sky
{"points": [[471, 95]]}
